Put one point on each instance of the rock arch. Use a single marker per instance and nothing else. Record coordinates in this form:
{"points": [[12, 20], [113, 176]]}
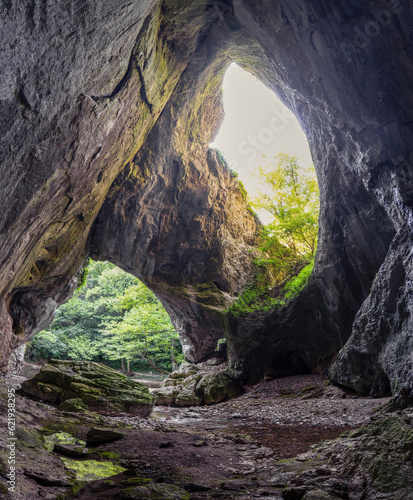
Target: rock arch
{"points": [[106, 116]]}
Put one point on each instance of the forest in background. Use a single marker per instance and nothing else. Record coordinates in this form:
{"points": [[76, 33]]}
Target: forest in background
{"points": [[112, 319]]}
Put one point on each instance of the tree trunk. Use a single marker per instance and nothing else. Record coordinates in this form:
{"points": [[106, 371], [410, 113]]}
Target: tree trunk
{"points": [[173, 359]]}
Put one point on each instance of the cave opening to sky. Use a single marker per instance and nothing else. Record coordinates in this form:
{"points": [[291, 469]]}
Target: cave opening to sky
{"points": [[257, 126]]}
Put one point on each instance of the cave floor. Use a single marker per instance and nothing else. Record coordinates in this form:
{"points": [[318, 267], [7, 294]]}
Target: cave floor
{"points": [[243, 448]]}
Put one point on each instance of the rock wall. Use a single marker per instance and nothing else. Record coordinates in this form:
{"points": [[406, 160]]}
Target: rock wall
{"points": [[106, 115], [83, 86]]}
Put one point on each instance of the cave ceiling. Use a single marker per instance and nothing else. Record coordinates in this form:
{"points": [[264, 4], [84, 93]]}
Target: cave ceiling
{"points": [[107, 110]]}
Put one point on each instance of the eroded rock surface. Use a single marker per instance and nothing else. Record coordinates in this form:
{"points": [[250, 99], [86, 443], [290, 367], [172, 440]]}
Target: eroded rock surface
{"points": [[107, 111], [257, 445], [99, 387]]}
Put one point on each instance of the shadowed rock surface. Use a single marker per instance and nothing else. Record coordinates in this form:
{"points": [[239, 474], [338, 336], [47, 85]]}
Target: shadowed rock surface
{"points": [[99, 387], [106, 113]]}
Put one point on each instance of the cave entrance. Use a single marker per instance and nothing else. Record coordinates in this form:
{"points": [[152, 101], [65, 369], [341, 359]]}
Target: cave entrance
{"points": [[257, 127], [262, 142], [114, 319]]}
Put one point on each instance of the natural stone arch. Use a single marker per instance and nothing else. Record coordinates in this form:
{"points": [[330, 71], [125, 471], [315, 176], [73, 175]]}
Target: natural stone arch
{"points": [[136, 77]]}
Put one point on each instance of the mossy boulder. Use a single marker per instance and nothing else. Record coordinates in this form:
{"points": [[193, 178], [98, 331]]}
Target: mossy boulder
{"points": [[98, 387], [187, 395], [194, 385], [75, 405], [384, 450], [165, 396], [217, 387]]}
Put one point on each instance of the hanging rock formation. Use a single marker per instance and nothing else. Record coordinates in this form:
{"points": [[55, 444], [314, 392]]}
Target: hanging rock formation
{"points": [[106, 115]]}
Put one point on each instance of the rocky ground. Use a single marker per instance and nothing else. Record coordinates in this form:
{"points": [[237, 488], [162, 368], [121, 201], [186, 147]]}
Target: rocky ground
{"points": [[260, 444]]}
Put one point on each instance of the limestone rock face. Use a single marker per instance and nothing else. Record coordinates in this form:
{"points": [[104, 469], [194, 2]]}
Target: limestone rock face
{"points": [[106, 113], [116, 102], [377, 359], [99, 387]]}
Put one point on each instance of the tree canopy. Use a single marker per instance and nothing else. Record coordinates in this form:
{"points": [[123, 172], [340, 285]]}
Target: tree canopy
{"points": [[292, 200], [289, 241], [114, 319]]}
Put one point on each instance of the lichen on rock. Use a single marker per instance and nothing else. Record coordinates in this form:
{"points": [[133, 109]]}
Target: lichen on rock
{"points": [[99, 387]]}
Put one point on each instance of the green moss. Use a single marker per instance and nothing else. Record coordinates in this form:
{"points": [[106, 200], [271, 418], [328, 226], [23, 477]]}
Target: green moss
{"points": [[136, 481], [384, 449], [258, 298], [223, 161], [312, 391], [111, 455], [91, 470], [156, 492], [61, 438], [84, 276], [220, 344], [297, 283]]}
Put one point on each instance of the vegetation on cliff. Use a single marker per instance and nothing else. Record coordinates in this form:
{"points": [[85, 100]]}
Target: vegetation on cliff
{"points": [[289, 241]]}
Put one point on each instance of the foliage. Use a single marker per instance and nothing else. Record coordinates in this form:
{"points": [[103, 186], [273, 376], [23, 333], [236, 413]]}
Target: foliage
{"points": [[113, 319], [294, 285], [288, 242], [221, 159], [291, 236], [220, 343]]}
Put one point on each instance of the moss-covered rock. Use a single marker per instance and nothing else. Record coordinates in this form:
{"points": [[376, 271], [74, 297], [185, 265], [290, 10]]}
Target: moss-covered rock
{"points": [[91, 470], [62, 438], [70, 450], [165, 396], [98, 387], [194, 385], [384, 449], [73, 405], [374, 461], [187, 395], [217, 387]]}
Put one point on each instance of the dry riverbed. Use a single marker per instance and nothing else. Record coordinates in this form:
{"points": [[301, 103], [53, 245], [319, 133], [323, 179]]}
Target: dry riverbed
{"points": [[242, 448]]}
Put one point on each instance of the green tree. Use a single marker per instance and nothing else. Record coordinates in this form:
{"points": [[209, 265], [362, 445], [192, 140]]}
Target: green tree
{"points": [[288, 242], [144, 332], [290, 239], [112, 319]]}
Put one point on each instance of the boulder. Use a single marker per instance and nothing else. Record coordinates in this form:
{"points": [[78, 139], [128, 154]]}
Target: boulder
{"points": [[97, 436], [73, 405], [166, 395], [70, 450], [187, 395], [217, 387], [94, 386], [194, 385]]}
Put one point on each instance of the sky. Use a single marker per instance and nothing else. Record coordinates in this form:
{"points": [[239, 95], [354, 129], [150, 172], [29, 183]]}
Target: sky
{"points": [[257, 126]]}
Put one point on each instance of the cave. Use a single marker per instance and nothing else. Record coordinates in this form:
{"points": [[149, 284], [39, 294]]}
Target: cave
{"points": [[107, 112]]}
